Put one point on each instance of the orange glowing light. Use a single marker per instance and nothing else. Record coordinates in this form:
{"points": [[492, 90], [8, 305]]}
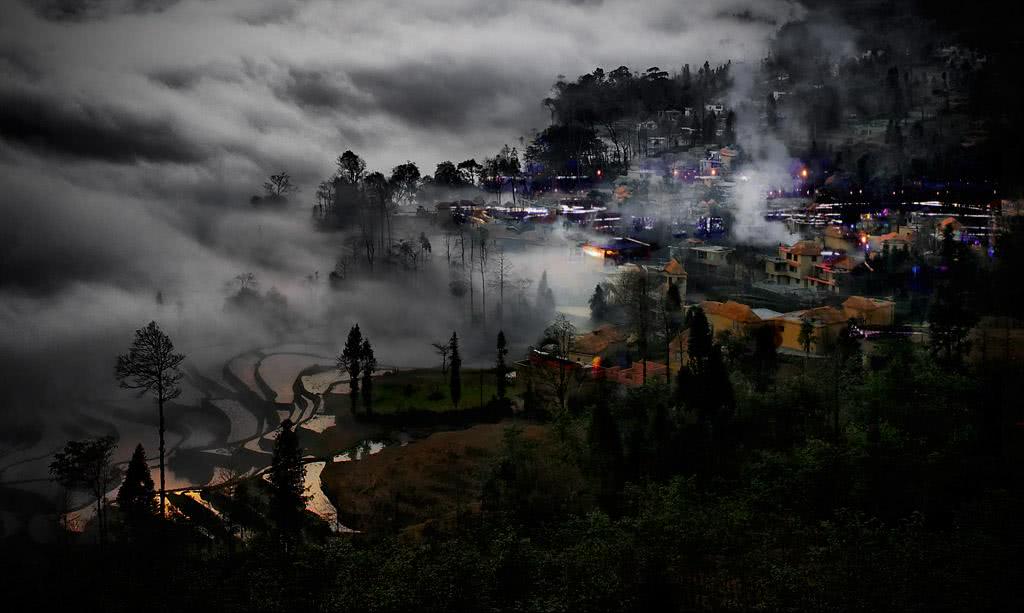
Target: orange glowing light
{"points": [[596, 362], [803, 173], [593, 251], [714, 171]]}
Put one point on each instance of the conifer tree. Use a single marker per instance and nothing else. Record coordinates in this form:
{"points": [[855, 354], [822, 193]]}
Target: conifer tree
{"points": [[499, 367], [137, 498], [604, 446], [369, 364], [455, 378], [287, 477], [350, 362], [598, 304]]}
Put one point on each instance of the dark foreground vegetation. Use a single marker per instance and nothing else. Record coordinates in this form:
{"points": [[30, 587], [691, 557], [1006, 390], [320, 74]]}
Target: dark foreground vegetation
{"points": [[729, 494]]}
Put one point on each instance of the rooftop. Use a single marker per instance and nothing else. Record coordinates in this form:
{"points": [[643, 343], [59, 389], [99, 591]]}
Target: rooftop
{"points": [[731, 310], [673, 267], [806, 247], [861, 303], [599, 339], [712, 248]]}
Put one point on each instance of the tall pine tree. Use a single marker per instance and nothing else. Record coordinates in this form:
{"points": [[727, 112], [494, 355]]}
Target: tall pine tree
{"points": [[369, 364], [287, 478], [137, 498], [455, 372], [598, 304], [152, 366], [350, 362], [500, 369]]}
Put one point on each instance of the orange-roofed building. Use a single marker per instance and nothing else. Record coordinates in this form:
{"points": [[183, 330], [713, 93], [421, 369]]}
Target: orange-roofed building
{"points": [[891, 242], [838, 239], [633, 375], [829, 274], [952, 224], [601, 342], [872, 311], [734, 316]]}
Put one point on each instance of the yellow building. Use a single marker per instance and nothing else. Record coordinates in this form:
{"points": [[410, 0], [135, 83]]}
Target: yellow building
{"points": [[733, 316], [827, 322], [872, 311], [794, 264]]}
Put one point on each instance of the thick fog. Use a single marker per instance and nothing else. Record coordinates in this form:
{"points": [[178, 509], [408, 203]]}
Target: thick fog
{"points": [[132, 135]]}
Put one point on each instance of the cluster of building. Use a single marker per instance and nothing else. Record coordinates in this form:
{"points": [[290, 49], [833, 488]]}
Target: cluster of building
{"points": [[826, 321]]}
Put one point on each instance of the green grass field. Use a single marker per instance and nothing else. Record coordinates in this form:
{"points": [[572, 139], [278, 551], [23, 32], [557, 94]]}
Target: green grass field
{"points": [[427, 390]]}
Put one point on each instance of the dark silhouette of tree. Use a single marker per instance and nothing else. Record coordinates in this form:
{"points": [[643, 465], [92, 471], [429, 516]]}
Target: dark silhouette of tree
{"points": [[325, 198], [560, 338], [369, 364], [351, 167], [443, 349], [670, 314], [470, 170], [350, 362], [447, 175], [598, 304], [709, 127], [764, 358], [501, 272], [136, 497], [405, 183], [951, 315], [85, 466], [604, 447], [950, 321], [633, 293], [455, 380], [545, 297], [287, 478], [773, 112], [151, 366], [806, 336], [500, 369], [278, 186], [704, 385], [729, 136], [847, 368]]}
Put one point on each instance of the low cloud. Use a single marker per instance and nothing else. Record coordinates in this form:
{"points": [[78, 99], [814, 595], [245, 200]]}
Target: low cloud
{"points": [[132, 134]]}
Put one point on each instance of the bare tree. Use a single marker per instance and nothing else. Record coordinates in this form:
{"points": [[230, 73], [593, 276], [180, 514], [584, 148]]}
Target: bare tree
{"points": [[443, 349], [501, 278], [279, 185], [448, 238], [325, 197], [246, 280], [560, 337], [151, 366], [484, 254], [462, 245], [521, 286], [632, 291]]}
